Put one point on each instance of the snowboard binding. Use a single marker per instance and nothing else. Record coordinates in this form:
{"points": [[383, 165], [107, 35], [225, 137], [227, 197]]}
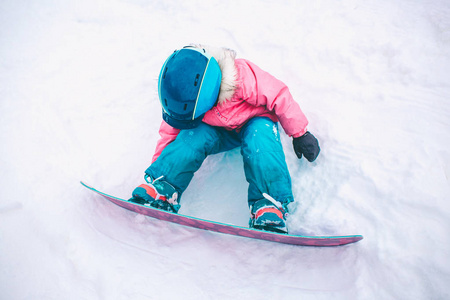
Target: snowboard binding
{"points": [[156, 193], [269, 215]]}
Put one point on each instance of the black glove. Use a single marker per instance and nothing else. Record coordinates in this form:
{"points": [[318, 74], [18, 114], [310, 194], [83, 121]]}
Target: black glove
{"points": [[307, 145]]}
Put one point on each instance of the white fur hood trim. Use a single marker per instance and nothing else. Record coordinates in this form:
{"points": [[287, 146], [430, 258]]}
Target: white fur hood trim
{"points": [[225, 57]]}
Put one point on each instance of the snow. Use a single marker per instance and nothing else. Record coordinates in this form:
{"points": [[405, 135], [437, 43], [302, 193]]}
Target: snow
{"points": [[78, 101]]}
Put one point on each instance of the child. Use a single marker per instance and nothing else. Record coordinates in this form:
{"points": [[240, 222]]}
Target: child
{"points": [[213, 102]]}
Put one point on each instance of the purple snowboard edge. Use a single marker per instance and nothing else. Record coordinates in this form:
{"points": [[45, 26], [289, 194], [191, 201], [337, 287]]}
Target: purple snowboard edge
{"points": [[319, 241]]}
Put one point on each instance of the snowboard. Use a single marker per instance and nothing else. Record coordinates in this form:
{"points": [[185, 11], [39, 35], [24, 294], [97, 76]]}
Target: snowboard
{"points": [[320, 241]]}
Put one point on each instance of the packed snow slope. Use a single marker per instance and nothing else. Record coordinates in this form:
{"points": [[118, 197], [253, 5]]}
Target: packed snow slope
{"points": [[78, 101]]}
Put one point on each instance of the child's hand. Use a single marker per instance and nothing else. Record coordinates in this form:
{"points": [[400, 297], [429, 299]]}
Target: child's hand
{"points": [[306, 145]]}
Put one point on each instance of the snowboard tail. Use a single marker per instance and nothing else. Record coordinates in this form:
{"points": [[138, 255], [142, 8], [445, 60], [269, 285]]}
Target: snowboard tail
{"points": [[320, 241]]}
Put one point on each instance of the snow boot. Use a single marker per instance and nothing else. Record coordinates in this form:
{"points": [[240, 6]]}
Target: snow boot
{"points": [[156, 193], [268, 214]]}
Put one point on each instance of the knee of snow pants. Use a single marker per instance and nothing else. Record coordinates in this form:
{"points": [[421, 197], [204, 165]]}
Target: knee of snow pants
{"points": [[264, 161], [184, 156]]}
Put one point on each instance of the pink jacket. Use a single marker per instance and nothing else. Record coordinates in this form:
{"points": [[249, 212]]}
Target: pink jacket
{"points": [[256, 93]]}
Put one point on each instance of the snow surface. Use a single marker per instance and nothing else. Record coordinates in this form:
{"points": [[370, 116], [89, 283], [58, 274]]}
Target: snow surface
{"points": [[78, 101]]}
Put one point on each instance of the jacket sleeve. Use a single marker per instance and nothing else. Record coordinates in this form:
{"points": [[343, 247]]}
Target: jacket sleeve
{"points": [[168, 135], [262, 89]]}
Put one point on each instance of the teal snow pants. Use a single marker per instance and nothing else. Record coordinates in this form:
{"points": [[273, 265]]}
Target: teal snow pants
{"points": [[264, 161]]}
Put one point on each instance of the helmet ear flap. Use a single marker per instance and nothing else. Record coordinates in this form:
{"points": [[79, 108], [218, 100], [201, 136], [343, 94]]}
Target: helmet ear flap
{"points": [[210, 88]]}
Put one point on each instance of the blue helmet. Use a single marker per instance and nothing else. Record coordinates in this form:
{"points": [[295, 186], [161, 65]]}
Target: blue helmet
{"points": [[188, 86]]}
